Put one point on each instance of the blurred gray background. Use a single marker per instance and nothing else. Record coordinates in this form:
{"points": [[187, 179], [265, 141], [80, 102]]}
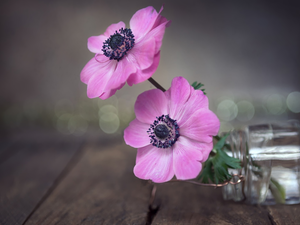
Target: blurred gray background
{"points": [[247, 53]]}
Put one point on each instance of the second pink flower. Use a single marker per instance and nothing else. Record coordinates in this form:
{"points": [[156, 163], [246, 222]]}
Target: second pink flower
{"points": [[124, 54]]}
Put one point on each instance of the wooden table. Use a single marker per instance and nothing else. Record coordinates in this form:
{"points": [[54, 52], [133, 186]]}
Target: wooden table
{"points": [[50, 178]]}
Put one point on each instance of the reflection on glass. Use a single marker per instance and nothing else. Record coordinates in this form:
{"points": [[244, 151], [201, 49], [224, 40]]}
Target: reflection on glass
{"points": [[270, 154], [257, 179], [280, 145]]}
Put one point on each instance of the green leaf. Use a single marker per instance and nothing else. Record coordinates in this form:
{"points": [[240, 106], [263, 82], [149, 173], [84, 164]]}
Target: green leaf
{"points": [[197, 86], [194, 84], [216, 167], [207, 172], [221, 163], [221, 141], [277, 191]]}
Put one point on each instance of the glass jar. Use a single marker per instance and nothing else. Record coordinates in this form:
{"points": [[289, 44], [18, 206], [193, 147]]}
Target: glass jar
{"points": [[270, 157]]}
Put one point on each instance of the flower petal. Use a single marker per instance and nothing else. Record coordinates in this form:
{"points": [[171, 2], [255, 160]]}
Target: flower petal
{"points": [[158, 32], [186, 162], [95, 43], [110, 93], [142, 22], [96, 75], [200, 150], [142, 75], [149, 105], [120, 75], [136, 135], [154, 163], [142, 54], [160, 20], [96, 85], [179, 94], [92, 67], [113, 28], [201, 126], [196, 101]]}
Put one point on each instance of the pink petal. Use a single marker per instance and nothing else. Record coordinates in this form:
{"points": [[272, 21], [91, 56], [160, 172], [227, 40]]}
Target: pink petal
{"points": [[160, 19], [142, 75], [96, 86], [120, 75], [142, 22], [186, 165], [136, 135], [95, 43], [197, 100], [100, 58], [110, 93], [101, 73], [113, 28], [154, 163], [179, 94], [149, 105], [200, 150], [158, 33], [92, 67], [201, 126], [142, 54]]}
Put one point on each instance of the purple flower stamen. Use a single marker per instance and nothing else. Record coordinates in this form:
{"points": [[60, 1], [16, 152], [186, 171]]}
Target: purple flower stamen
{"points": [[164, 132], [118, 44]]}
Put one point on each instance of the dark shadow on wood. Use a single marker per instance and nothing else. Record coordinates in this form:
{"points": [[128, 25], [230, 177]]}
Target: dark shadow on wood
{"points": [[151, 214], [71, 164], [271, 219]]}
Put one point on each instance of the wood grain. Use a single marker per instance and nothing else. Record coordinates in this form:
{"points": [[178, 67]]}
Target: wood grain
{"points": [[101, 189], [285, 214], [27, 175], [45, 179], [183, 203]]}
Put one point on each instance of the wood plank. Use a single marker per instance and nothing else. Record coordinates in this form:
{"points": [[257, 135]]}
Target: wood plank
{"points": [[27, 175], [285, 214], [183, 203], [101, 189]]}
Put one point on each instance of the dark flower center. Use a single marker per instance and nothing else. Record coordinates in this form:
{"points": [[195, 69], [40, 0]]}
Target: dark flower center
{"points": [[164, 132], [161, 131], [118, 44], [116, 41]]}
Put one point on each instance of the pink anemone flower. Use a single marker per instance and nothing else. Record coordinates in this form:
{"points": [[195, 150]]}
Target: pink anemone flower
{"points": [[124, 54], [172, 132]]}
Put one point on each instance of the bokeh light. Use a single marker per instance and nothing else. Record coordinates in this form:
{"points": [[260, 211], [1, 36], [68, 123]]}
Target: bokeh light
{"points": [[63, 106], [227, 110], [107, 109], [225, 127], [109, 121], [275, 104], [62, 123], [246, 111], [77, 125], [293, 102]]}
